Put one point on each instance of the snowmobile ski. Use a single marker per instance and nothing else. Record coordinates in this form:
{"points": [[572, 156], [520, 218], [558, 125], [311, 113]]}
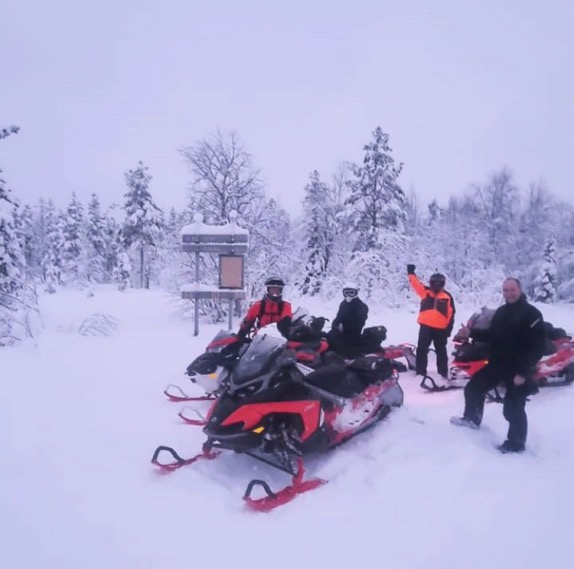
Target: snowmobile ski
{"points": [[186, 413], [178, 461], [175, 393], [287, 494]]}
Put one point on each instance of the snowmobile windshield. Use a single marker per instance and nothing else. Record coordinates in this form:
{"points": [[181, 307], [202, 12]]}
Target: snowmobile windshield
{"points": [[301, 315], [258, 357], [222, 340]]}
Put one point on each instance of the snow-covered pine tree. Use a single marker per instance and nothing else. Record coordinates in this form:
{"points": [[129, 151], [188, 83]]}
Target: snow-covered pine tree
{"points": [[123, 271], [96, 241], [376, 202], [546, 286], [319, 230], [74, 254], [172, 272], [142, 224], [23, 228], [11, 258], [375, 212], [12, 263], [52, 259], [113, 247]]}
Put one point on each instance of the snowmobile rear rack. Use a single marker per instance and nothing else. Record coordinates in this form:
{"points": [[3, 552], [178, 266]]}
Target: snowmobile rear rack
{"points": [[430, 384]]}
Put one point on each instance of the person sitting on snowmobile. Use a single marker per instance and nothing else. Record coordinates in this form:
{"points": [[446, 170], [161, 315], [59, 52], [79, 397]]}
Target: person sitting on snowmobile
{"points": [[345, 334], [436, 319], [271, 308]]}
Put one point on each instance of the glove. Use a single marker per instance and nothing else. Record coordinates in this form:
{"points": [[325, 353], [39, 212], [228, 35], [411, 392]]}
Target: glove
{"points": [[519, 380], [242, 334], [410, 269]]}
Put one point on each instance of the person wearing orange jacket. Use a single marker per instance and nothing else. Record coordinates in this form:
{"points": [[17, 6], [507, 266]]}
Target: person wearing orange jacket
{"points": [[436, 319], [271, 308]]}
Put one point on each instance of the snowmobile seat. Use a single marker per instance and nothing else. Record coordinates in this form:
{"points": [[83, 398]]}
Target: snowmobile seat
{"points": [[372, 337], [471, 352], [371, 369], [337, 379]]}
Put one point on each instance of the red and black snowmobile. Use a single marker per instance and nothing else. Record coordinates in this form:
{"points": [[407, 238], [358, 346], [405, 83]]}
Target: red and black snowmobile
{"points": [[277, 410], [211, 369], [556, 368]]}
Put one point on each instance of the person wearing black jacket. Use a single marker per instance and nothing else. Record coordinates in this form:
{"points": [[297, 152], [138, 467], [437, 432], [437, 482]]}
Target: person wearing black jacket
{"points": [[517, 339], [345, 335]]}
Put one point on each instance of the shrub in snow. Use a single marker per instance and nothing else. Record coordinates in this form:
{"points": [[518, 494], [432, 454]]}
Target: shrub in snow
{"points": [[98, 325]]}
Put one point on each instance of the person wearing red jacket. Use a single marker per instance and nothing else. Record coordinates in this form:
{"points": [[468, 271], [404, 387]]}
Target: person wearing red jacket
{"points": [[436, 319], [271, 308]]}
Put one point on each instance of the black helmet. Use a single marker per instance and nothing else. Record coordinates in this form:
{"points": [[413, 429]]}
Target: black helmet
{"points": [[275, 283], [437, 280]]}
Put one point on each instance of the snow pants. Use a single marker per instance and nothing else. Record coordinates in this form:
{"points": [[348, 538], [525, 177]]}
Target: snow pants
{"points": [[514, 406], [438, 337]]}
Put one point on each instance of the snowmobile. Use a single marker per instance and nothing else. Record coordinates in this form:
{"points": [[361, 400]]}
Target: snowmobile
{"points": [[278, 410], [556, 368], [210, 369]]}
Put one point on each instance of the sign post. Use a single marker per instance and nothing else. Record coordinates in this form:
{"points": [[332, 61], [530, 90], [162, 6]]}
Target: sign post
{"points": [[231, 243]]}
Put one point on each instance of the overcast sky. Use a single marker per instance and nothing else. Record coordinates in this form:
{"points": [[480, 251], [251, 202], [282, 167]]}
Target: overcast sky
{"points": [[463, 87]]}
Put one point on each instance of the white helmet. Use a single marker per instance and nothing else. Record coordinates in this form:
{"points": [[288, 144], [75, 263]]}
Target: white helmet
{"points": [[350, 291]]}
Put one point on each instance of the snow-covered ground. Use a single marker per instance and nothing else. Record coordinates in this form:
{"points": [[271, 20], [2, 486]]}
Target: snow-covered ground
{"points": [[81, 415]]}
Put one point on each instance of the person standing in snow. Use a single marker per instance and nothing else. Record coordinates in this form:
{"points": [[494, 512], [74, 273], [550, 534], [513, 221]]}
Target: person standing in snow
{"points": [[345, 335], [517, 341], [436, 320]]}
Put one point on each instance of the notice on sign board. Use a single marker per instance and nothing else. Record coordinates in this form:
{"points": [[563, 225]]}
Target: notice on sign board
{"points": [[231, 271]]}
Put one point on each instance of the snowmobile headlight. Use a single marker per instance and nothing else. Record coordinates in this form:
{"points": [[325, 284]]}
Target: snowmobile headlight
{"points": [[258, 430]]}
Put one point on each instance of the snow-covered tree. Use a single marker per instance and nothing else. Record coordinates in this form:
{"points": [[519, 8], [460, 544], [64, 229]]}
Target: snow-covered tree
{"points": [[74, 255], [546, 286], [323, 203], [24, 226], [15, 302], [223, 178], [123, 271], [142, 225], [271, 251], [498, 202], [96, 241], [52, 264], [11, 257], [172, 269], [376, 202]]}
